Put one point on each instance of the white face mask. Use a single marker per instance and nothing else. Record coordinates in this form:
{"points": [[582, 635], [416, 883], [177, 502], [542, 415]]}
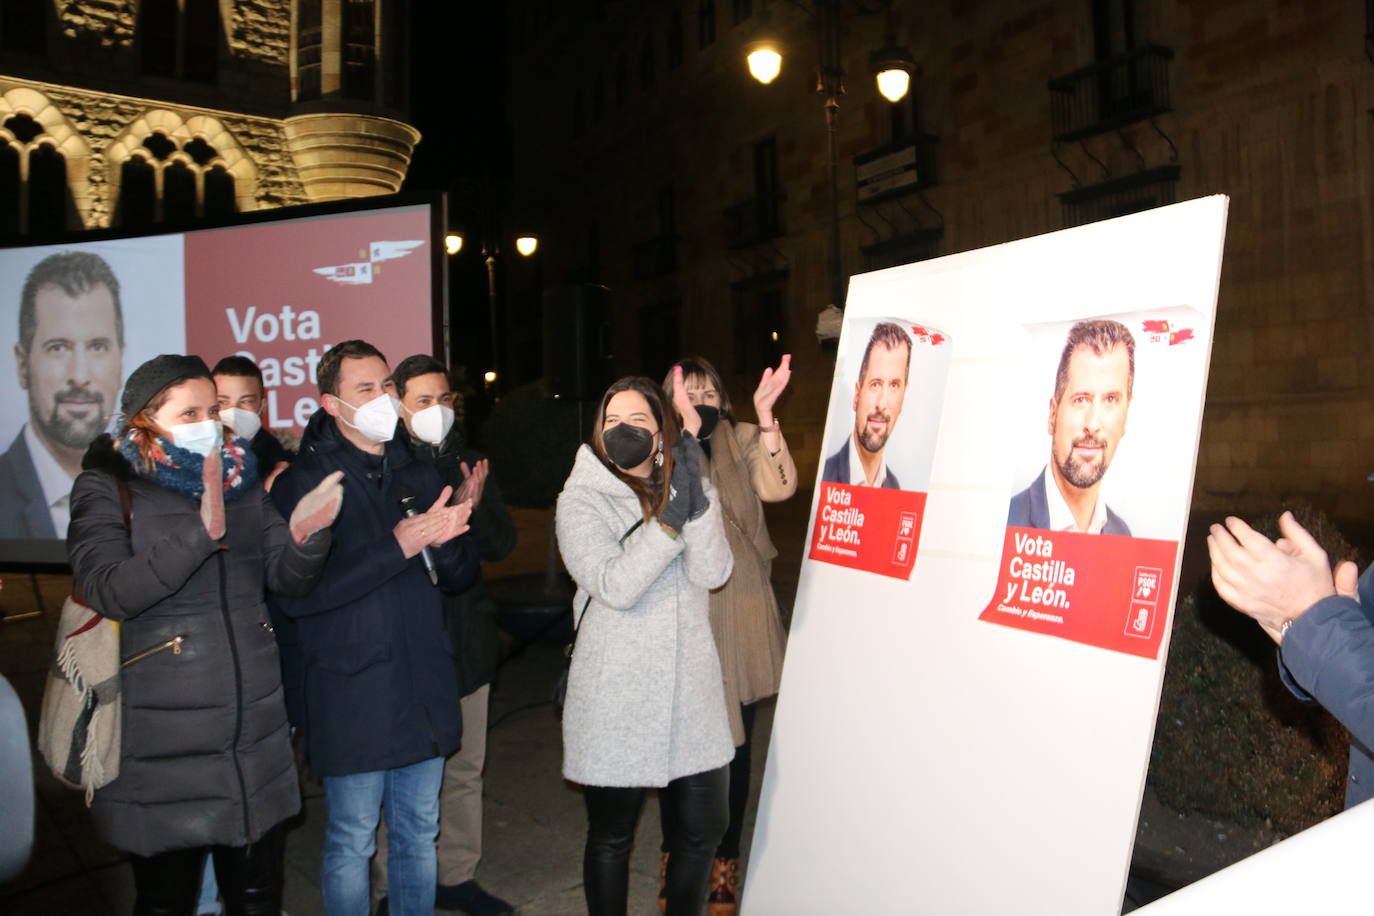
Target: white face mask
{"points": [[202, 437], [244, 423], [432, 424], [376, 419]]}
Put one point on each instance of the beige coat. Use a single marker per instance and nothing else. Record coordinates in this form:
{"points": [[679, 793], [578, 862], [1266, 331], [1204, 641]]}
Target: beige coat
{"points": [[744, 611]]}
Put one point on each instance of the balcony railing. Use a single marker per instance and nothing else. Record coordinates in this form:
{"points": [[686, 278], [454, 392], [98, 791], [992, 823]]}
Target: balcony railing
{"points": [[1119, 196], [654, 257], [752, 221], [1111, 93]]}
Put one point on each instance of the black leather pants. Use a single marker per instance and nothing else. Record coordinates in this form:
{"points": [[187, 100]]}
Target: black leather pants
{"points": [[700, 804], [250, 878]]}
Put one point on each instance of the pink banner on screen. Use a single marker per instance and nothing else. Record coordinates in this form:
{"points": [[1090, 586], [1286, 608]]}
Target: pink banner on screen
{"points": [[284, 293]]}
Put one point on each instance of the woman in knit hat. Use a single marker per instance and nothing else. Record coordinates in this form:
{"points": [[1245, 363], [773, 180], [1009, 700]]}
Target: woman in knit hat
{"points": [[173, 536]]}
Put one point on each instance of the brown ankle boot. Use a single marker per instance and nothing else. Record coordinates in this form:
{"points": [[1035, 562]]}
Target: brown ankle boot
{"points": [[663, 884], [724, 897]]}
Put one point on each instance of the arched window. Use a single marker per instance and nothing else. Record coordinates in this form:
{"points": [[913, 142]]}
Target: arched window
{"points": [[48, 195], [34, 196], [137, 194], [9, 190], [178, 193], [159, 187]]}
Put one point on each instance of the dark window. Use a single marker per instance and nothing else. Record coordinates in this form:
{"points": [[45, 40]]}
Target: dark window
{"points": [[200, 151], [360, 49], [646, 64], [706, 22], [47, 190], [219, 193], [766, 186], [667, 212], [1118, 26], [743, 10], [660, 338], [200, 48], [622, 81], [159, 145], [577, 114], [23, 26], [308, 38], [674, 55], [760, 330], [23, 127], [178, 193], [9, 190], [598, 97], [137, 194], [905, 122], [157, 35]]}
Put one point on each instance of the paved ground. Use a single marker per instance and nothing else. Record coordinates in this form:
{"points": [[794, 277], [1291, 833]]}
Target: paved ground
{"points": [[535, 821]]}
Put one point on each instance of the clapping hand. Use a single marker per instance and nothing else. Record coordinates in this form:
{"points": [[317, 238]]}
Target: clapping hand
{"points": [[771, 386], [318, 508], [691, 420], [474, 481], [1274, 582], [441, 524], [212, 497]]}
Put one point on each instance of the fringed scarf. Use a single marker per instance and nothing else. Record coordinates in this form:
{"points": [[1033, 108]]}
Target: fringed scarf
{"points": [[179, 470]]}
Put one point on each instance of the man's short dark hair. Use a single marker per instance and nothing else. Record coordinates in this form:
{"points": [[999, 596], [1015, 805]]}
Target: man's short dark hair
{"points": [[891, 336], [416, 366], [238, 367], [74, 272], [327, 373], [1102, 336]]}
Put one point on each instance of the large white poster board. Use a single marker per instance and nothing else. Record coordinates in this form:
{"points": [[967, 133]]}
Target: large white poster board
{"points": [[969, 696]]}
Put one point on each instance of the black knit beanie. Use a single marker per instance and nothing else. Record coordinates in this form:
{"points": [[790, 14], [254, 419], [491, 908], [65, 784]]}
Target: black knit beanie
{"points": [[156, 374]]}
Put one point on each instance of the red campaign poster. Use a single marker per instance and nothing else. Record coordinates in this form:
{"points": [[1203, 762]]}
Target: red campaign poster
{"points": [[283, 293], [1102, 590], [868, 528]]}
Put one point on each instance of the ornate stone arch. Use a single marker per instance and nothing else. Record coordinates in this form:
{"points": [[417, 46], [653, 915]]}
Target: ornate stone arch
{"points": [[229, 153], [59, 133]]}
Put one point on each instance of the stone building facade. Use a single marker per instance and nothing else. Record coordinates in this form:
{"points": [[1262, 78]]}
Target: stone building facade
{"points": [[654, 164], [136, 113]]}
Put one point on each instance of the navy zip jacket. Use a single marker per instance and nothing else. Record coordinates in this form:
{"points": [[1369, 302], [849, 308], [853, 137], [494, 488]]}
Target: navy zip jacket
{"points": [[373, 661]]}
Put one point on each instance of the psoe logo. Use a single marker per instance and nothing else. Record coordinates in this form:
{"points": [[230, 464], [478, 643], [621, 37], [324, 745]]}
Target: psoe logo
{"points": [[363, 271]]}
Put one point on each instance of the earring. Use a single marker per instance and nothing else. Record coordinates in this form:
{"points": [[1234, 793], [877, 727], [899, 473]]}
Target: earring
{"points": [[658, 458]]}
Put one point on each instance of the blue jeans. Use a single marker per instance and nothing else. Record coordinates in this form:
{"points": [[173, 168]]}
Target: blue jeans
{"points": [[410, 797]]}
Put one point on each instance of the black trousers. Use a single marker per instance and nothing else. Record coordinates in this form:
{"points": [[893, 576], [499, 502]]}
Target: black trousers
{"points": [[250, 878], [701, 809], [741, 771]]}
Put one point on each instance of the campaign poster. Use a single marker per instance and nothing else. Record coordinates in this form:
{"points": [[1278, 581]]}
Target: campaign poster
{"points": [[1093, 520], [875, 468], [983, 719], [284, 293]]}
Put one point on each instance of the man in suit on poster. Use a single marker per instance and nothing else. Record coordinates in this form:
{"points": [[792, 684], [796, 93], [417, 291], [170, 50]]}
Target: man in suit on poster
{"points": [[878, 397], [1092, 395], [69, 359]]}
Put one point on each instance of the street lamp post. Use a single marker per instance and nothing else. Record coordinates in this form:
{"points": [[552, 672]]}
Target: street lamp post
{"points": [[525, 245], [892, 66]]}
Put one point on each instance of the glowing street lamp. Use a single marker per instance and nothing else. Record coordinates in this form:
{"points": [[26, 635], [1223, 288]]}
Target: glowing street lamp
{"points": [[765, 62], [453, 243], [526, 245], [893, 66]]}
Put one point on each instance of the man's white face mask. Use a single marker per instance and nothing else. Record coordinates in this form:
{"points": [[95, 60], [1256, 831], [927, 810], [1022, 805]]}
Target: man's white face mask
{"points": [[431, 424], [376, 419], [244, 423]]}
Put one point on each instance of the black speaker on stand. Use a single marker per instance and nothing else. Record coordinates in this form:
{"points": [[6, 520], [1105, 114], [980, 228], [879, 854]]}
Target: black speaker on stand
{"points": [[577, 341]]}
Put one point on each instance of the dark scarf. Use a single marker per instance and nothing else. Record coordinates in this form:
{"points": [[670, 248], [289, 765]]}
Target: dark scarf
{"points": [[179, 470]]}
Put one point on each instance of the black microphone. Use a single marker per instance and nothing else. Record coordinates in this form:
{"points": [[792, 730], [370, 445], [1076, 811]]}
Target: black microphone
{"points": [[407, 502]]}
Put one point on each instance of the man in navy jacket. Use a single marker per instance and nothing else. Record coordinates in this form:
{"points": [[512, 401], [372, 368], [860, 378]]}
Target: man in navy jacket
{"points": [[380, 687]]}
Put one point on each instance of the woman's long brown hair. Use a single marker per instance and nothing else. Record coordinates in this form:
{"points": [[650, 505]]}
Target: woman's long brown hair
{"points": [[652, 491]]}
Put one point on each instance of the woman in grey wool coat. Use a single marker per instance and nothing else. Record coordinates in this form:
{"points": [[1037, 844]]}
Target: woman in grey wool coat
{"points": [[641, 533], [173, 536]]}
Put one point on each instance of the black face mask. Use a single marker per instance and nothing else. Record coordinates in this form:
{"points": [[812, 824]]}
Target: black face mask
{"points": [[627, 446], [710, 416]]}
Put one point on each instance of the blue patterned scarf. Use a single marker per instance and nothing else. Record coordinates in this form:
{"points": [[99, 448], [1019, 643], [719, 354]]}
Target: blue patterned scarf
{"points": [[179, 470]]}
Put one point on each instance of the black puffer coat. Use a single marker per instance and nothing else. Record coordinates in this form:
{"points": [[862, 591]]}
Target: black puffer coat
{"points": [[206, 754]]}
